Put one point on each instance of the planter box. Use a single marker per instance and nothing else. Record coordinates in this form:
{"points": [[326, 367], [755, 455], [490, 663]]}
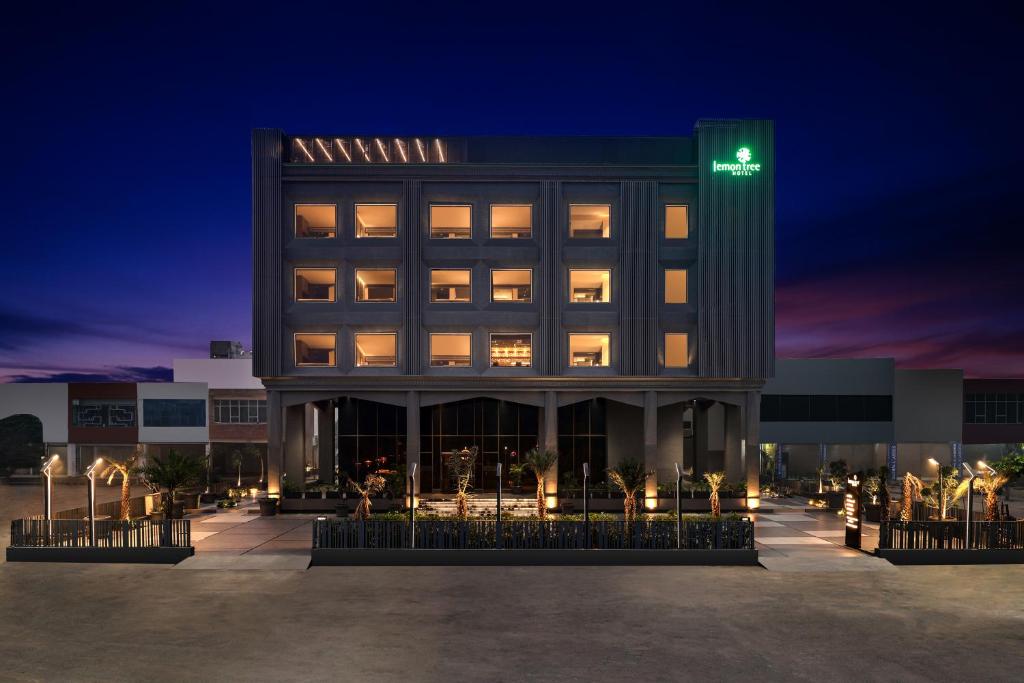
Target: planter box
{"points": [[268, 507], [157, 555], [354, 557]]}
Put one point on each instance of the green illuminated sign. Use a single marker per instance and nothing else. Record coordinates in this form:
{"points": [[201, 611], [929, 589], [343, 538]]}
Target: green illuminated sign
{"points": [[742, 167]]}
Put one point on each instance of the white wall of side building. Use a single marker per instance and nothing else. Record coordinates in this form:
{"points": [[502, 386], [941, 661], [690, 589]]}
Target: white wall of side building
{"points": [[217, 373], [48, 402], [175, 390]]}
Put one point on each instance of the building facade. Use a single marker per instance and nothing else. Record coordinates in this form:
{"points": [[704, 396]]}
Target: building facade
{"points": [[609, 298]]}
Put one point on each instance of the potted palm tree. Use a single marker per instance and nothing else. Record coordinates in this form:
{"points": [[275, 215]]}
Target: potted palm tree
{"points": [[515, 473], [631, 477], [715, 481], [989, 484], [372, 486], [171, 473], [460, 464], [539, 462]]}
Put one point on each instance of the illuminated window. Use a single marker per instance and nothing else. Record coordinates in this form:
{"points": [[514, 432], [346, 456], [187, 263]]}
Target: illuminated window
{"points": [[375, 284], [376, 350], [315, 284], [677, 222], [511, 350], [589, 221], [511, 221], [676, 351], [448, 222], [451, 350], [512, 285], [675, 286], [450, 285], [316, 221], [315, 349], [376, 220], [588, 350], [590, 286]]}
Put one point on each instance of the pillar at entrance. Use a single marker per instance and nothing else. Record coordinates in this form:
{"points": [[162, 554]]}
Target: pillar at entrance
{"points": [[295, 445], [275, 437], [412, 441], [325, 446], [550, 443], [734, 434], [651, 448], [752, 449]]}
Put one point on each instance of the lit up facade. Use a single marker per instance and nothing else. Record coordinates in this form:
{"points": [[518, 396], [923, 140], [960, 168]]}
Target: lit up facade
{"points": [[610, 298]]}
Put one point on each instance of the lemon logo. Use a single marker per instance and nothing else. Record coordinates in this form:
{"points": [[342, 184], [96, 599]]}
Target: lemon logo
{"points": [[743, 155]]}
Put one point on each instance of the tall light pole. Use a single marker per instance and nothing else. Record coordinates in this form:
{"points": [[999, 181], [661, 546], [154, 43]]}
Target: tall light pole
{"points": [[498, 541], [679, 507], [412, 506], [942, 489], [90, 473], [47, 471], [586, 502], [970, 505]]}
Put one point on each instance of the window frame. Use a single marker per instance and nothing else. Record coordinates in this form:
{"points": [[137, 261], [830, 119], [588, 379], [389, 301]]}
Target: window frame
{"points": [[355, 348], [430, 349], [568, 283], [355, 286], [355, 220], [295, 348], [295, 220], [430, 220], [568, 348], [430, 286], [490, 216], [611, 225], [295, 285], [490, 338], [664, 227], [664, 345], [686, 286], [491, 290]]}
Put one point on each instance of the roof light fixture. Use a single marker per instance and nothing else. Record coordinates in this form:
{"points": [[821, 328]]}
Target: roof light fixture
{"points": [[383, 153], [302, 146], [341, 146], [323, 148], [363, 149], [440, 152], [421, 150], [401, 150]]}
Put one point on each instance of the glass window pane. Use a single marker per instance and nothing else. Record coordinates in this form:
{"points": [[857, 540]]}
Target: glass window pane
{"points": [[451, 222], [450, 350], [676, 351], [511, 221], [589, 350], [315, 349], [449, 285], [376, 220], [591, 221], [512, 286], [315, 221], [675, 286], [677, 222], [375, 284], [511, 350], [315, 284], [590, 286], [376, 350]]}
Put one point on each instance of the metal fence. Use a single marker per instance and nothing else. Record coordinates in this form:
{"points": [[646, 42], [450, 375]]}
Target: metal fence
{"points": [[951, 535], [65, 533], [534, 535]]}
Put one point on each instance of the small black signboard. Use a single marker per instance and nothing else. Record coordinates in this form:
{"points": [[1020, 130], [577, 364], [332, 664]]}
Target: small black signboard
{"points": [[852, 508]]}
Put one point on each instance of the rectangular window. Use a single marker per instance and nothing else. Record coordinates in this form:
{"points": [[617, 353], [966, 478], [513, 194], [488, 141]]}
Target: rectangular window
{"points": [[316, 221], [376, 220], [451, 350], [589, 350], [511, 221], [174, 412], [450, 222], [675, 286], [103, 412], [511, 350], [589, 221], [239, 411], [315, 284], [315, 349], [375, 350], [376, 284], [677, 354], [449, 285], [677, 222], [590, 286], [512, 286], [825, 408]]}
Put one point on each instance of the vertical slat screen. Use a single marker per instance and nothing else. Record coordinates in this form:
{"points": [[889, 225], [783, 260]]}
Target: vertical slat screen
{"points": [[267, 243]]}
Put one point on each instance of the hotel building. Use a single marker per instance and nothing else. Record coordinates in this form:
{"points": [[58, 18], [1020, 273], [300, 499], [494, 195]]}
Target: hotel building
{"points": [[610, 298]]}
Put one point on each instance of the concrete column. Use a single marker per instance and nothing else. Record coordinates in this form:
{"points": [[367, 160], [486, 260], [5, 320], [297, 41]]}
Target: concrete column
{"points": [[295, 444], [325, 447], [700, 440], [412, 439], [275, 439], [733, 443], [550, 443], [752, 448], [651, 448]]}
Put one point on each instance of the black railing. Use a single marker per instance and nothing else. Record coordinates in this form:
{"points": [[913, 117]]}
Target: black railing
{"points": [[951, 535], [66, 533], [534, 535]]}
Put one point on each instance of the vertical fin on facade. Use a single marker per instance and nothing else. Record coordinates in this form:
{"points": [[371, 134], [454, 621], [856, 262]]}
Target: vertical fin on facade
{"points": [[267, 240], [638, 259]]}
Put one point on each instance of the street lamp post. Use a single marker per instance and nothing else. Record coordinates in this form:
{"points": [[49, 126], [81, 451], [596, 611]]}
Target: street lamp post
{"points": [[412, 506], [90, 473], [586, 502], [942, 489], [498, 540], [970, 506], [47, 471], [679, 507]]}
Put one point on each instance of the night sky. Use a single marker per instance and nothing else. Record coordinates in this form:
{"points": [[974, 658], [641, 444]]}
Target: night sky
{"points": [[126, 194]]}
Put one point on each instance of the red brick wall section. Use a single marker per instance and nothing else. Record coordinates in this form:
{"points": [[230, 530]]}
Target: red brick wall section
{"points": [[104, 435], [236, 432]]}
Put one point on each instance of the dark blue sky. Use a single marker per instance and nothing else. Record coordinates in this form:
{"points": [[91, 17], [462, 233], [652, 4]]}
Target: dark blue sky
{"points": [[126, 188]]}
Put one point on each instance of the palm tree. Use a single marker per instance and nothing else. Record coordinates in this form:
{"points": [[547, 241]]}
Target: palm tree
{"points": [[715, 481], [126, 468], [372, 486], [631, 477], [911, 489], [540, 462], [236, 462], [990, 484], [883, 493], [460, 465], [171, 473]]}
